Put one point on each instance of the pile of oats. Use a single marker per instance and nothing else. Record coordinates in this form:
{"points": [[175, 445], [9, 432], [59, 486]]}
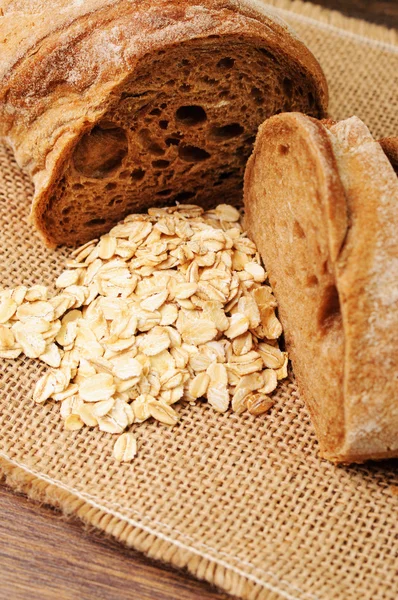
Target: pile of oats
{"points": [[168, 306]]}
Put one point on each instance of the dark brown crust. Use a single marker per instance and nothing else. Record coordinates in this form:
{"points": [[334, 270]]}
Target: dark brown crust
{"points": [[390, 147], [63, 74], [356, 419]]}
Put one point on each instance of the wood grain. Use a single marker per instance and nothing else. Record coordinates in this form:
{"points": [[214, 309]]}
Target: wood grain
{"points": [[44, 556], [383, 12]]}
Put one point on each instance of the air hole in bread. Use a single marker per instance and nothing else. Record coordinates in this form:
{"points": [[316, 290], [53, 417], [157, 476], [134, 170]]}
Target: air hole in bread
{"points": [[156, 112], [312, 281], [66, 210], [100, 151], [257, 95], [284, 149], [185, 87], [137, 174], [226, 175], [129, 95], [111, 186], [267, 53], [226, 132], [182, 196], [298, 231], [192, 154], [223, 94], [77, 186], [311, 99], [172, 141], [95, 222], [191, 115], [287, 87], [163, 124], [160, 164], [256, 92], [226, 63], [164, 192], [329, 310], [325, 268]]}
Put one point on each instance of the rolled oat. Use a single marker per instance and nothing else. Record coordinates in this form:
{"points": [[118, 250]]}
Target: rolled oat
{"points": [[168, 306]]}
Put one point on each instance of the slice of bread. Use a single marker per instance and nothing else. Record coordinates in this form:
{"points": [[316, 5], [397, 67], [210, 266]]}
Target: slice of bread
{"points": [[321, 204], [114, 107]]}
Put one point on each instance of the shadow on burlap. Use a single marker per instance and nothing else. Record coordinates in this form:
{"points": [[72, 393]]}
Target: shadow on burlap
{"points": [[241, 502]]}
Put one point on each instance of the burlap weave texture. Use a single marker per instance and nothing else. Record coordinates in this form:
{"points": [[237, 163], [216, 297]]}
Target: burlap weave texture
{"points": [[244, 503]]}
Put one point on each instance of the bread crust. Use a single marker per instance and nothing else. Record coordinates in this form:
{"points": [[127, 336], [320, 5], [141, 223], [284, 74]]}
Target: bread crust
{"points": [[59, 76], [337, 184], [367, 280]]}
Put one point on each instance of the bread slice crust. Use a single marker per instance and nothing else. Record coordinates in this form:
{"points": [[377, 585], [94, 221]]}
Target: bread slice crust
{"points": [[321, 203]]}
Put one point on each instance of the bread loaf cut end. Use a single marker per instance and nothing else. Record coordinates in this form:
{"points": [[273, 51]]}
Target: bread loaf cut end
{"points": [[321, 204], [181, 130]]}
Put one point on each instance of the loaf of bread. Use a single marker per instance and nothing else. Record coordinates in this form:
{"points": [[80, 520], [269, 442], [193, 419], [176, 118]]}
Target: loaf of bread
{"points": [[114, 106], [321, 204]]}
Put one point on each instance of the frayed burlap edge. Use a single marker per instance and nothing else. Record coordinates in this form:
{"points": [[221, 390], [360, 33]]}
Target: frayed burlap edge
{"points": [[46, 491], [217, 572]]}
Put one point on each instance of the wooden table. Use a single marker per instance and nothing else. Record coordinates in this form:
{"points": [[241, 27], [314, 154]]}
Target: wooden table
{"points": [[44, 556], [383, 12]]}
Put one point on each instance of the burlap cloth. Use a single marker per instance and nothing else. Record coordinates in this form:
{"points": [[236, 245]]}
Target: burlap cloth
{"points": [[244, 503]]}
